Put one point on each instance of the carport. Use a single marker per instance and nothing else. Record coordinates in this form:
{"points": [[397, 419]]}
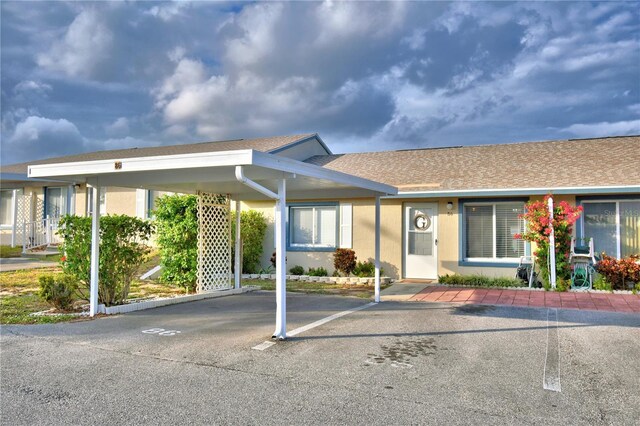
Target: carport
{"points": [[242, 175]]}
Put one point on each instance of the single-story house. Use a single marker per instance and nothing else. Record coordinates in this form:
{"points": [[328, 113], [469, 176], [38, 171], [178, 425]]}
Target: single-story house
{"points": [[456, 209]]}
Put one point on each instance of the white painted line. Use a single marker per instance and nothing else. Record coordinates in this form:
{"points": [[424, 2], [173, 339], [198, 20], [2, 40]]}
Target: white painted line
{"points": [[264, 345], [327, 319], [551, 377]]}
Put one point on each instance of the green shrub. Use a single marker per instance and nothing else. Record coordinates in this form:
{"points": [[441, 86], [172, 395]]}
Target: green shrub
{"points": [[297, 270], [344, 260], [366, 269], [479, 281], [176, 217], [563, 284], [601, 283], [58, 290], [122, 251], [253, 228], [619, 272], [318, 272]]}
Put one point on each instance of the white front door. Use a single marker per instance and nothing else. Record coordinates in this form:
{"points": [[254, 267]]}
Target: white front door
{"points": [[421, 240]]}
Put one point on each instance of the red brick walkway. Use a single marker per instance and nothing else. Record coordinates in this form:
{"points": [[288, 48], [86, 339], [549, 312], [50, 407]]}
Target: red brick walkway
{"points": [[569, 300]]}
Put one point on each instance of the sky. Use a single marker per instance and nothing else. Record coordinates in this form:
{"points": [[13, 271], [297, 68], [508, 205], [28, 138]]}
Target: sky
{"points": [[87, 76]]}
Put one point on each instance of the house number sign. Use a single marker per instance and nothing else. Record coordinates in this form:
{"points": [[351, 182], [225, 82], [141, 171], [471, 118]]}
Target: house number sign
{"points": [[422, 221]]}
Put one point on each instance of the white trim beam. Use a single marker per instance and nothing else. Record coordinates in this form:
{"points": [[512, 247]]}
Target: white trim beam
{"points": [[238, 249]]}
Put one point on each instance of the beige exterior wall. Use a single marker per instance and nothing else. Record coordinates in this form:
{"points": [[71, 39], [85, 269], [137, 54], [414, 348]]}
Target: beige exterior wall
{"points": [[121, 201]]}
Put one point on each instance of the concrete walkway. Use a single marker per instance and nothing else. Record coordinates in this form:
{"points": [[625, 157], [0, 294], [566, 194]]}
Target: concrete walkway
{"points": [[629, 303], [17, 263]]}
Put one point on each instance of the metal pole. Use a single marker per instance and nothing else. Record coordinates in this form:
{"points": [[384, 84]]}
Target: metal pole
{"points": [[95, 250], [281, 283], [552, 247], [238, 265], [377, 251]]}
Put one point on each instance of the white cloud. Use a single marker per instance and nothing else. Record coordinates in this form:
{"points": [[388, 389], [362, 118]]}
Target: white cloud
{"points": [[40, 137], [605, 128], [30, 86], [85, 47], [119, 127]]}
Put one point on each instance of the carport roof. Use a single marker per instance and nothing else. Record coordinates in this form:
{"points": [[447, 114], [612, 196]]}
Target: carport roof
{"points": [[215, 172]]}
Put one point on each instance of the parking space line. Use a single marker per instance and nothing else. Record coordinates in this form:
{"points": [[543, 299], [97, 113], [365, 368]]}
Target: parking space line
{"points": [[551, 376], [264, 345], [327, 319]]}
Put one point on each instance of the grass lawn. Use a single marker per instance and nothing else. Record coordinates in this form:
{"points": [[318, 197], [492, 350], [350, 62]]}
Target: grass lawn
{"points": [[363, 291], [19, 292], [8, 251]]}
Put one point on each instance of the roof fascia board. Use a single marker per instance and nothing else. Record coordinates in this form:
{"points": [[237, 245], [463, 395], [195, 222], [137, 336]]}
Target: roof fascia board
{"points": [[301, 141], [288, 165], [24, 178], [141, 164], [576, 190]]}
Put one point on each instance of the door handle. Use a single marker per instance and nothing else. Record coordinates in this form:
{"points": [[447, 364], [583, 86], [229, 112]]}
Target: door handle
{"points": [[436, 241]]}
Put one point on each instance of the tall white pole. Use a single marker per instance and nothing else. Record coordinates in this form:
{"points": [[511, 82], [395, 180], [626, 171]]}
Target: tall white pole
{"points": [[238, 247], [95, 250], [14, 213], [552, 247], [281, 253], [377, 251]]}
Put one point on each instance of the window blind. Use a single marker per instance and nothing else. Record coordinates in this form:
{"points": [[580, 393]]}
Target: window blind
{"points": [[479, 231], [507, 225]]}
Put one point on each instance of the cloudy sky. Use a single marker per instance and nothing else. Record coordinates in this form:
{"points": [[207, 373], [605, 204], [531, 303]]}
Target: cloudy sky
{"points": [[366, 76]]}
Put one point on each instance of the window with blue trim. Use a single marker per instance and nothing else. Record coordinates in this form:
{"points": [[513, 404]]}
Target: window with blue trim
{"points": [[489, 230], [313, 227], [614, 226]]}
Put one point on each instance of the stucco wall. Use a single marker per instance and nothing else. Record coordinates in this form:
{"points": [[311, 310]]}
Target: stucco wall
{"points": [[121, 201]]}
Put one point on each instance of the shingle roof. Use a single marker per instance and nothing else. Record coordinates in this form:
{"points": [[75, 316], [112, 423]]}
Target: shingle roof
{"points": [[611, 161], [259, 144]]}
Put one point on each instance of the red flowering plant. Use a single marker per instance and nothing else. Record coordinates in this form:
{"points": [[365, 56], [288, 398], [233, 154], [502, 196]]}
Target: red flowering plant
{"points": [[538, 230], [619, 272]]}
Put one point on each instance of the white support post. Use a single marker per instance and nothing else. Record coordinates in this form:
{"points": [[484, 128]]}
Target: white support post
{"points": [[552, 247], [377, 251], [238, 248], [14, 212], [95, 250], [281, 283]]}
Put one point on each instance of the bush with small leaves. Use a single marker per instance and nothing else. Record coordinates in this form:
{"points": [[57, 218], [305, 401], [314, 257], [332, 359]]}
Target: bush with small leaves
{"points": [[318, 272], [344, 260], [297, 270], [58, 290], [366, 269]]}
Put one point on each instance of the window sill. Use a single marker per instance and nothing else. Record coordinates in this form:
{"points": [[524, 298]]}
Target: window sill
{"points": [[311, 249], [489, 263]]}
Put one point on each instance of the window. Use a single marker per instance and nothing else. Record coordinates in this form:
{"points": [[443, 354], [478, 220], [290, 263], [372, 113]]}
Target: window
{"points": [[489, 229], [152, 196], [6, 207], [313, 227], [613, 225], [103, 200], [55, 201]]}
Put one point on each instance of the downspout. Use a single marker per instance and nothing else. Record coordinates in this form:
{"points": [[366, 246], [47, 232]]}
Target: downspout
{"points": [[254, 185]]}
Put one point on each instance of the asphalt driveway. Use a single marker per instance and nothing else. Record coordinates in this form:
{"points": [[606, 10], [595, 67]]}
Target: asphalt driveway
{"points": [[392, 363]]}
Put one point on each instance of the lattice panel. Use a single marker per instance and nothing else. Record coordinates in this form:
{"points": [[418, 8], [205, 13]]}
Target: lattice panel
{"points": [[214, 242], [24, 215]]}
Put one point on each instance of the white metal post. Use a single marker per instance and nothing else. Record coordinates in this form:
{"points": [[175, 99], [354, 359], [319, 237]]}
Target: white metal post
{"points": [[14, 212], [552, 247], [95, 250], [238, 248], [281, 283], [377, 251]]}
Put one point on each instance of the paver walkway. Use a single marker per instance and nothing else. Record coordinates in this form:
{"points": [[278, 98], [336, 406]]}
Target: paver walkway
{"points": [[17, 263], [566, 300]]}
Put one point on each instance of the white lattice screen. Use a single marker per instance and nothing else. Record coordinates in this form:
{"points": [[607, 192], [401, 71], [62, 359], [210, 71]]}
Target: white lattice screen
{"points": [[214, 242], [24, 215]]}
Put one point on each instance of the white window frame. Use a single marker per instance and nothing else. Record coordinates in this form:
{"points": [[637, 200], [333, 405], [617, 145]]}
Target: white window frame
{"points": [[493, 259], [313, 246], [12, 213], [617, 202], [88, 204]]}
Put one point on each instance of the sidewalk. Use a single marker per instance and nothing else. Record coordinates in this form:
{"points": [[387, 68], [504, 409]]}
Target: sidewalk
{"points": [[628, 303], [17, 263]]}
